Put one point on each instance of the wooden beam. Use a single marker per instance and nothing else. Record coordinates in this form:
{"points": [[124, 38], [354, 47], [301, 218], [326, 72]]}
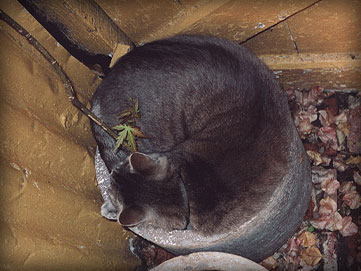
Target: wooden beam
{"points": [[332, 71], [81, 26]]}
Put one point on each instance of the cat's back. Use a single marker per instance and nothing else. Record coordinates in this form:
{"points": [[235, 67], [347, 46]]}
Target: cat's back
{"points": [[184, 84]]}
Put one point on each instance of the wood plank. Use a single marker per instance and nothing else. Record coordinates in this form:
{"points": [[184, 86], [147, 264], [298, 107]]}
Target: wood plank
{"points": [[141, 18], [84, 22], [82, 27], [331, 71], [145, 20], [238, 20], [331, 26]]}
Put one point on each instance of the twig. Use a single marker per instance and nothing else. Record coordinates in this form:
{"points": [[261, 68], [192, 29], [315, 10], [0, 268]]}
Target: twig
{"points": [[64, 78]]}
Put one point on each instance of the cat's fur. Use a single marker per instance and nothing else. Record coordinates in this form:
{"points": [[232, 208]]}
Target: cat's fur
{"points": [[217, 125]]}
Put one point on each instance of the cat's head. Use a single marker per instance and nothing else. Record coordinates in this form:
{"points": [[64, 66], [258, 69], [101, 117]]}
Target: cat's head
{"points": [[147, 188]]}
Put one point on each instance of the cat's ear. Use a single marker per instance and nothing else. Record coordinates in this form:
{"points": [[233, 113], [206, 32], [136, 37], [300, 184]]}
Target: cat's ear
{"points": [[131, 216], [153, 166]]}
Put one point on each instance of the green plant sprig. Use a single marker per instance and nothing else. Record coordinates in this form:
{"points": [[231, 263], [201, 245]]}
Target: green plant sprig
{"points": [[127, 128]]}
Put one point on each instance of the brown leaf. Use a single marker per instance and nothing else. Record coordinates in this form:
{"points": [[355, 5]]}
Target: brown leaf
{"points": [[326, 117], [305, 127], [303, 120], [346, 226], [320, 174], [307, 239], [328, 136], [352, 198], [293, 247], [269, 263], [357, 177], [331, 104], [327, 178], [325, 221], [315, 157], [311, 256], [330, 186], [354, 160], [339, 164], [346, 187], [328, 206], [342, 118]]}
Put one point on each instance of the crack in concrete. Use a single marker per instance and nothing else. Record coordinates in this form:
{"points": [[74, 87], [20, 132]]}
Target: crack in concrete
{"points": [[281, 21]]}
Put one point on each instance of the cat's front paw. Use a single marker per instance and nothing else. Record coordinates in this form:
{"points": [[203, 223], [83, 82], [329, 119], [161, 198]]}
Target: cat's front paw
{"points": [[109, 211]]}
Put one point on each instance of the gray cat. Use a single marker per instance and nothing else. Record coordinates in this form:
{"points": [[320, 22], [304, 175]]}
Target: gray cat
{"points": [[218, 130]]}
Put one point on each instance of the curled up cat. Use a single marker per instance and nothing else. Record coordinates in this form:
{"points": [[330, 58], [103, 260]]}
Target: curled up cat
{"points": [[218, 135]]}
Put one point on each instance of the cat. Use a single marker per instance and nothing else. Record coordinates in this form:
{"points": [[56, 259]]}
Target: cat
{"points": [[218, 132]]}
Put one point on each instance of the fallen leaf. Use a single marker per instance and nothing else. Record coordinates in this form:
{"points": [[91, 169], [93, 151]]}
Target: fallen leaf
{"points": [[346, 187], [293, 247], [331, 150], [354, 160], [330, 186], [326, 160], [341, 118], [269, 263], [328, 215], [357, 177], [331, 104], [353, 102], [352, 198], [346, 226], [303, 120], [305, 127], [315, 96], [328, 206], [315, 157], [311, 256], [307, 239], [328, 136], [320, 174], [327, 221], [326, 118], [340, 136], [338, 163]]}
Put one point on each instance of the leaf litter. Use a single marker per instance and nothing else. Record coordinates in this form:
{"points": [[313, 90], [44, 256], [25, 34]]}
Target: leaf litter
{"points": [[329, 125]]}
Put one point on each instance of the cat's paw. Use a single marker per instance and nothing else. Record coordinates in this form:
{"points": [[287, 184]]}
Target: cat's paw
{"points": [[109, 211]]}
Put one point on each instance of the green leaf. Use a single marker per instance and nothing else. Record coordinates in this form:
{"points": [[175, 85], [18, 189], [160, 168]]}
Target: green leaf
{"points": [[126, 136], [311, 229]]}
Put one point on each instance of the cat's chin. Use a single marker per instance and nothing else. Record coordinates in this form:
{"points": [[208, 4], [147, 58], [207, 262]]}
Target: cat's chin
{"points": [[109, 211]]}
